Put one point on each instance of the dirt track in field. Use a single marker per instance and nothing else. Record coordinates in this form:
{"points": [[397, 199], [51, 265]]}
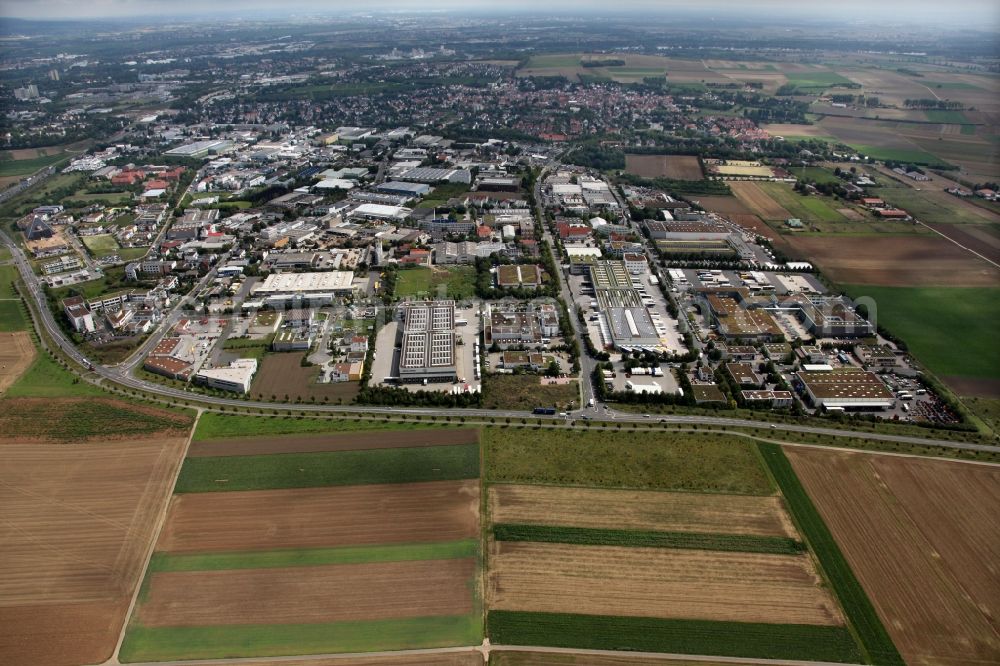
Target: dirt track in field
{"points": [[758, 201], [74, 528], [640, 510], [322, 517], [16, 354], [658, 582], [675, 167], [354, 441], [309, 594], [903, 261], [923, 538]]}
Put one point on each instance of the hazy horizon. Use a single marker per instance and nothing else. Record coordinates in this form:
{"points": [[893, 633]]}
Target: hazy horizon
{"points": [[978, 14]]}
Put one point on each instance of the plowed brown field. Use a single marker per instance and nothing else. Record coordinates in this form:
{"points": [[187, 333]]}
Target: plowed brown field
{"points": [[628, 509], [675, 167], [923, 537], [904, 261], [658, 582], [309, 594], [758, 201], [16, 354], [321, 517], [355, 441], [76, 522]]}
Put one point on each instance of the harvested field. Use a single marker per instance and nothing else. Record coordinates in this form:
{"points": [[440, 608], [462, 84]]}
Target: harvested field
{"points": [[639, 510], [309, 594], [910, 261], [321, 517], [662, 583], [922, 538], [789, 129], [357, 441], [758, 201], [724, 205], [74, 542], [16, 354], [674, 167]]}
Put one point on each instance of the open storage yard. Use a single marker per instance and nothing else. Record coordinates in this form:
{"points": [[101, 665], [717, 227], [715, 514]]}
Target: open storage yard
{"points": [[922, 537], [316, 546]]}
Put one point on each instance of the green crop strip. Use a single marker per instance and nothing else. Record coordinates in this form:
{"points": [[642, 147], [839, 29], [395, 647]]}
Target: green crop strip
{"points": [[588, 536]]}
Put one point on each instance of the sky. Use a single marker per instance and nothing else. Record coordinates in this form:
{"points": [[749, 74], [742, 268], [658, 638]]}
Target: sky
{"points": [[976, 13]]}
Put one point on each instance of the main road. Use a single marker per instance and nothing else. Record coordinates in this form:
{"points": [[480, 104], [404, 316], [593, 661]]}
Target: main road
{"points": [[122, 378]]}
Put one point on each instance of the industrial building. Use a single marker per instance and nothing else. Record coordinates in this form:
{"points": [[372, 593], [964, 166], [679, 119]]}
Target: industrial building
{"points": [[846, 388], [624, 320], [506, 325], [737, 321], [409, 190], [280, 289], [237, 376], [428, 343]]}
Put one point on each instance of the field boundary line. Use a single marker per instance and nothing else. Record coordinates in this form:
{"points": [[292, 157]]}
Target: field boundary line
{"points": [[161, 520]]}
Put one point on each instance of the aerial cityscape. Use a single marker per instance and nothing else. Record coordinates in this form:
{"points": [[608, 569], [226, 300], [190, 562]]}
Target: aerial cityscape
{"points": [[466, 334]]}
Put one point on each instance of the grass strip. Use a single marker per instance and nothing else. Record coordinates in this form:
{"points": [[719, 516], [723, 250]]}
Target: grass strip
{"points": [[231, 641], [875, 640], [305, 557], [589, 536], [730, 639], [335, 468], [224, 426]]}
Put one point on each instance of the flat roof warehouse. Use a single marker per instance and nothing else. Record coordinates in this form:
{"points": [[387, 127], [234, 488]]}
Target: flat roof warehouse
{"points": [[305, 283]]}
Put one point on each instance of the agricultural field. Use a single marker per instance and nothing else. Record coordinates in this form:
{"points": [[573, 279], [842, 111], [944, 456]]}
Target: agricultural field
{"points": [[17, 352], [735, 168], [586, 550], [454, 282], [931, 319], [877, 139], [811, 82], [914, 531], [12, 165], [758, 202], [806, 208], [73, 419], [634, 70], [889, 260], [689, 512], [283, 377], [664, 583], [213, 426], [657, 461], [74, 544], [525, 392], [102, 245], [501, 657], [674, 167], [315, 546]]}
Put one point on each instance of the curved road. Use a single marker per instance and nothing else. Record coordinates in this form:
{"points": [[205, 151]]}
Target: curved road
{"points": [[120, 375]]}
